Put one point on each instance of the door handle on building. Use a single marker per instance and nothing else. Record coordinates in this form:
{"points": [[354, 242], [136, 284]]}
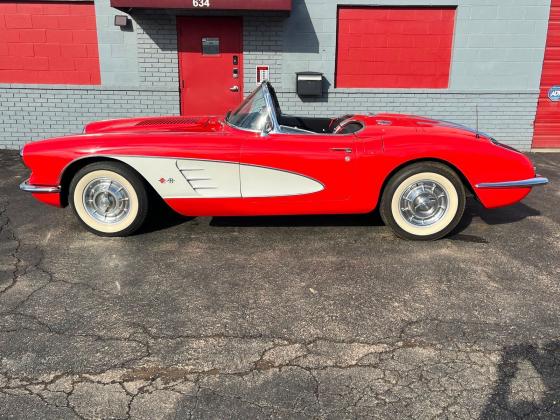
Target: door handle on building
{"points": [[342, 149], [234, 88]]}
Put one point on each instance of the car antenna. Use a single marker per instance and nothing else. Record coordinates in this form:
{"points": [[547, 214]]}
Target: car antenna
{"points": [[477, 128]]}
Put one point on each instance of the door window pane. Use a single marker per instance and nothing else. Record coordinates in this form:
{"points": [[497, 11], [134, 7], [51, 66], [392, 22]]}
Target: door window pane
{"points": [[210, 46]]}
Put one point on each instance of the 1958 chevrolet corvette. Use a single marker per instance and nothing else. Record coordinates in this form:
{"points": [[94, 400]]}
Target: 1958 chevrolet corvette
{"points": [[258, 161]]}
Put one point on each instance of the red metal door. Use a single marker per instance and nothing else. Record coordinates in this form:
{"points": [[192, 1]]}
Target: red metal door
{"points": [[547, 121], [210, 64]]}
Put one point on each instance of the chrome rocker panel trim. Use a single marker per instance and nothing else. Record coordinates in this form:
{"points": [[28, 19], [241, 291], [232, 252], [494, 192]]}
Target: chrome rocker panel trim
{"points": [[526, 183], [26, 186]]}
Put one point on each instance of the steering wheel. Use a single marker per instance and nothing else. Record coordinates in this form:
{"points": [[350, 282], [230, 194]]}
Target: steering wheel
{"points": [[336, 122], [341, 126]]}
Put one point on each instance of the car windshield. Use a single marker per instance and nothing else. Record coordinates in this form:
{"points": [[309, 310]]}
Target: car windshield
{"points": [[252, 114]]}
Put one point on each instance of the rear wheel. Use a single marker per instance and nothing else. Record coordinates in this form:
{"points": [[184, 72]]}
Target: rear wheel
{"points": [[424, 201], [109, 199]]}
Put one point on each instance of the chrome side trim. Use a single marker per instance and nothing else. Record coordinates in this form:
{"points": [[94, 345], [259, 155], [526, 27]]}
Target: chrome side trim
{"points": [[27, 187], [526, 183]]}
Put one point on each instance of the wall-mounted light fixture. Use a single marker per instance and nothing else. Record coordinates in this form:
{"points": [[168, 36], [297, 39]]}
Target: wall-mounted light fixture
{"points": [[121, 21]]}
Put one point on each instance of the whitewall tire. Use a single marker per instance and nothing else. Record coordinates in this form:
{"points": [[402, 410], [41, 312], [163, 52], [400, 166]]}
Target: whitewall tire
{"points": [[109, 199], [423, 201]]}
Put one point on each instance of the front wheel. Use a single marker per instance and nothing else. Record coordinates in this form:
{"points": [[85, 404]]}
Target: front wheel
{"points": [[424, 201], [109, 199]]}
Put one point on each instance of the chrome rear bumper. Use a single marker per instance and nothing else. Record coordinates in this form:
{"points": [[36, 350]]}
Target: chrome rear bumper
{"points": [[526, 183], [26, 186]]}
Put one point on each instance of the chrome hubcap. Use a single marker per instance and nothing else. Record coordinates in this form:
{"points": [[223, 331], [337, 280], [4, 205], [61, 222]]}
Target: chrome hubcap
{"points": [[424, 203], [106, 200]]}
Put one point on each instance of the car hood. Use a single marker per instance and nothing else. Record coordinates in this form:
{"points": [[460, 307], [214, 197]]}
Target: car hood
{"points": [[155, 124]]}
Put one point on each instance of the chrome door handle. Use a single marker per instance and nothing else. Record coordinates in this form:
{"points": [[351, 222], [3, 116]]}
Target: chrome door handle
{"points": [[234, 88], [342, 149]]}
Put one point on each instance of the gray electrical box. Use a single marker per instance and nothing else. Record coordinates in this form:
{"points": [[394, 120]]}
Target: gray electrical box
{"points": [[309, 83]]}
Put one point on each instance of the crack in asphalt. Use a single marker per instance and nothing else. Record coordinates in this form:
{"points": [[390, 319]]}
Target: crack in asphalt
{"points": [[5, 227], [187, 376], [261, 364]]}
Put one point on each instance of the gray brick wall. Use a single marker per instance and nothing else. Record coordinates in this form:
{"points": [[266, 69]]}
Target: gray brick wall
{"points": [[157, 47], [497, 59], [496, 63], [35, 113], [117, 48], [262, 44], [158, 61], [498, 44]]}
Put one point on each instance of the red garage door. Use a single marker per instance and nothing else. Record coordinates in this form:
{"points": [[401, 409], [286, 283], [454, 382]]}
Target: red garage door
{"points": [[547, 122], [394, 47], [48, 43]]}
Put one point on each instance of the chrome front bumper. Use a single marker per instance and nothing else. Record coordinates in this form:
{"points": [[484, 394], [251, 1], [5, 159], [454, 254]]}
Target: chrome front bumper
{"points": [[526, 183], [26, 186]]}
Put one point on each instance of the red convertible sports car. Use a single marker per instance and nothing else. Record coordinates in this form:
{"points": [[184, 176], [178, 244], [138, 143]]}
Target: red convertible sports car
{"points": [[258, 161]]}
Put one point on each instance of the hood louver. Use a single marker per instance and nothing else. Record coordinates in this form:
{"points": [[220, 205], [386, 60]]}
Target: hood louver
{"points": [[168, 121]]}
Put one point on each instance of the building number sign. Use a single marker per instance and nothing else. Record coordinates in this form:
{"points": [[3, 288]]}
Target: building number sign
{"points": [[201, 3]]}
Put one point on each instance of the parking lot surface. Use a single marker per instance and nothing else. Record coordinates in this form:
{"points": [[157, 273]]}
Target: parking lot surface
{"points": [[283, 317]]}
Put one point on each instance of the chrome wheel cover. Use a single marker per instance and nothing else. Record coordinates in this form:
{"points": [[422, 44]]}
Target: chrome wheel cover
{"points": [[106, 200], [424, 203]]}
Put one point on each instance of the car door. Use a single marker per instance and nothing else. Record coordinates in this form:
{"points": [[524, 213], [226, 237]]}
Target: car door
{"points": [[298, 168]]}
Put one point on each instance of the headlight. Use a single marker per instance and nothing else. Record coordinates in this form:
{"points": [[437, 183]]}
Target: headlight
{"points": [[21, 151]]}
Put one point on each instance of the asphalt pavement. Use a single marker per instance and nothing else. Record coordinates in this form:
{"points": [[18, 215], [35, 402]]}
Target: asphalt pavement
{"points": [[279, 317]]}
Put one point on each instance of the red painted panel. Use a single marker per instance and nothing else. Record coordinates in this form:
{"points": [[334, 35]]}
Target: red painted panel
{"points": [[394, 47], [547, 121], [280, 5], [48, 43], [207, 79]]}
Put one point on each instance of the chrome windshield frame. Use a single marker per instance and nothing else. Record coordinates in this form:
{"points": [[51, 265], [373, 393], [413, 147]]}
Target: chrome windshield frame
{"points": [[270, 109]]}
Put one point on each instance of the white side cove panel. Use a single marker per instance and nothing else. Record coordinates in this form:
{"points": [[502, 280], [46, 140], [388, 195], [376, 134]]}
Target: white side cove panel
{"points": [[197, 178], [211, 179], [257, 181], [162, 174], [187, 178]]}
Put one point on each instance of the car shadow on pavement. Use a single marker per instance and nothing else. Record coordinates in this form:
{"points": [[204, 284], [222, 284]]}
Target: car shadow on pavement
{"points": [[370, 219], [161, 217], [474, 209], [518, 391], [500, 216], [506, 215]]}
